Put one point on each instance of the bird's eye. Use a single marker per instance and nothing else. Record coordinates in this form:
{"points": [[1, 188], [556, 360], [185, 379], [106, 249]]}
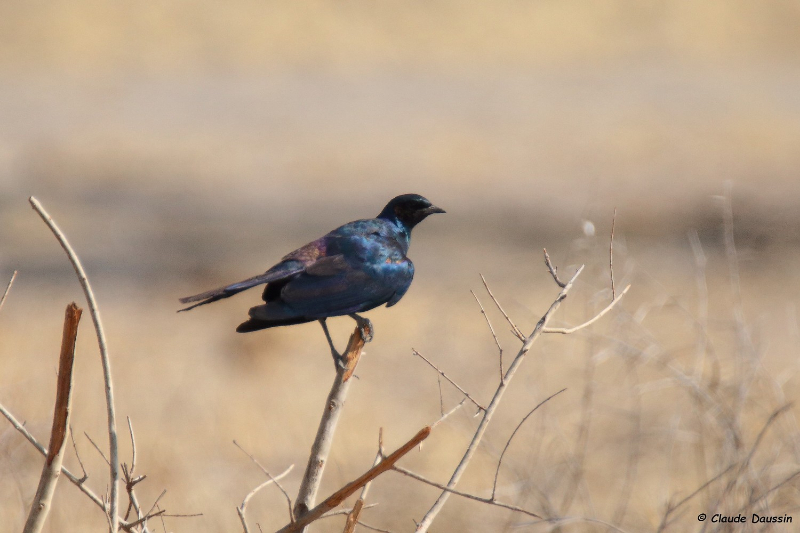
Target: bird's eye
{"points": [[376, 233]]}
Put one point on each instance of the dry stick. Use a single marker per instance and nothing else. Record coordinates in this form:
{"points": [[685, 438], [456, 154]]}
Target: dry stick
{"points": [[353, 516], [78, 482], [508, 443], [8, 288], [598, 316], [131, 482], [58, 436], [327, 426], [553, 270], [496, 341], [426, 521], [514, 329], [243, 508], [101, 340], [340, 495], [275, 480], [465, 393], [447, 490]]}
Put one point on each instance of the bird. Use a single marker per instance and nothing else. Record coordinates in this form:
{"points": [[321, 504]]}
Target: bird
{"points": [[350, 270]]}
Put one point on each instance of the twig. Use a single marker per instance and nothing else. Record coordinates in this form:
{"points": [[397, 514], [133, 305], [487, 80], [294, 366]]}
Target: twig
{"points": [[611, 255], [514, 329], [426, 521], [448, 490], [373, 528], [96, 447], [327, 426], [78, 482], [465, 393], [508, 443], [133, 446], [58, 435], [8, 288], [243, 507], [77, 455], [101, 340], [553, 270], [340, 495], [273, 479], [494, 336], [353, 516], [598, 316]]}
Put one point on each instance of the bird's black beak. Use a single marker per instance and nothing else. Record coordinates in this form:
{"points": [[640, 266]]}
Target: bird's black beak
{"points": [[433, 209]]}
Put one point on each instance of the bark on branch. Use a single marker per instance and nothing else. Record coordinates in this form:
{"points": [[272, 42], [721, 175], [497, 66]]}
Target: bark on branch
{"points": [[58, 436]]}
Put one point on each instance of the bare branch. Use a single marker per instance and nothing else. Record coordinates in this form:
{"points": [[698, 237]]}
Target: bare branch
{"points": [[243, 507], [508, 443], [101, 339], [77, 455], [96, 447], [8, 288], [490, 501], [327, 425], [553, 270], [426, 521], [273, 479], [58, 435], [340, 495], [133, 446], [514, 329], [78, 482], [494, 336], [598, 316], [465, 393]]}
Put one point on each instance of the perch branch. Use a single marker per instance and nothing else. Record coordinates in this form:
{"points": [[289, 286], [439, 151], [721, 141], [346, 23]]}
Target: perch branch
{"points": [[465, 393], [327, 426], [101, 340], [340, 495], [58, 435]]}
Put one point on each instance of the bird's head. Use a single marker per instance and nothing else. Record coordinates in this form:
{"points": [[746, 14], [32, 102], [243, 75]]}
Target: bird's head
{"points": [[409, 209]]}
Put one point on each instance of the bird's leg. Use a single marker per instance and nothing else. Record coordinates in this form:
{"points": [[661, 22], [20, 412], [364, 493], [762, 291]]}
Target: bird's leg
{"points": [[364, 325], [338, 360]]}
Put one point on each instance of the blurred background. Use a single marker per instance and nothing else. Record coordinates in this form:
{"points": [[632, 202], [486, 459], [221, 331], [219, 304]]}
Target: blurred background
{"points": [[185, 145]]}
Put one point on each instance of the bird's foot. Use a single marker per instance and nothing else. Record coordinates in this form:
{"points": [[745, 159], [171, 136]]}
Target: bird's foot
{"points": [[364, 327]]}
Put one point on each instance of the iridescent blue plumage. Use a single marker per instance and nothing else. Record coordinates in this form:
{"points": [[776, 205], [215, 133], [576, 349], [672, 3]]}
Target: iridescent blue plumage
{"points": [[352, 269]]}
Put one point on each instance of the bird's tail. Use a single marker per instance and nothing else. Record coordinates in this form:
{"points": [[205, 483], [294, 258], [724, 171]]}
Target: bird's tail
{"points": [[278, 272]]}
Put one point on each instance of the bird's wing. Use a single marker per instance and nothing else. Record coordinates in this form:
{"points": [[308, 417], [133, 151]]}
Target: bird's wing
{"points": [[335, 286], [282, 270]]}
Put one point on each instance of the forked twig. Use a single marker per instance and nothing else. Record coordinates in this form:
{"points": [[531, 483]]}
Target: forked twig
{"points": [[514, 329], [598, 316], [242, 509], [494, 335], [553, 270], [340, 495], [101, 340], [274, 479]]}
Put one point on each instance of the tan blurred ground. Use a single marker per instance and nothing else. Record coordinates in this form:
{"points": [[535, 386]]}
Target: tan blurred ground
{"points": [[181, 146]]}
